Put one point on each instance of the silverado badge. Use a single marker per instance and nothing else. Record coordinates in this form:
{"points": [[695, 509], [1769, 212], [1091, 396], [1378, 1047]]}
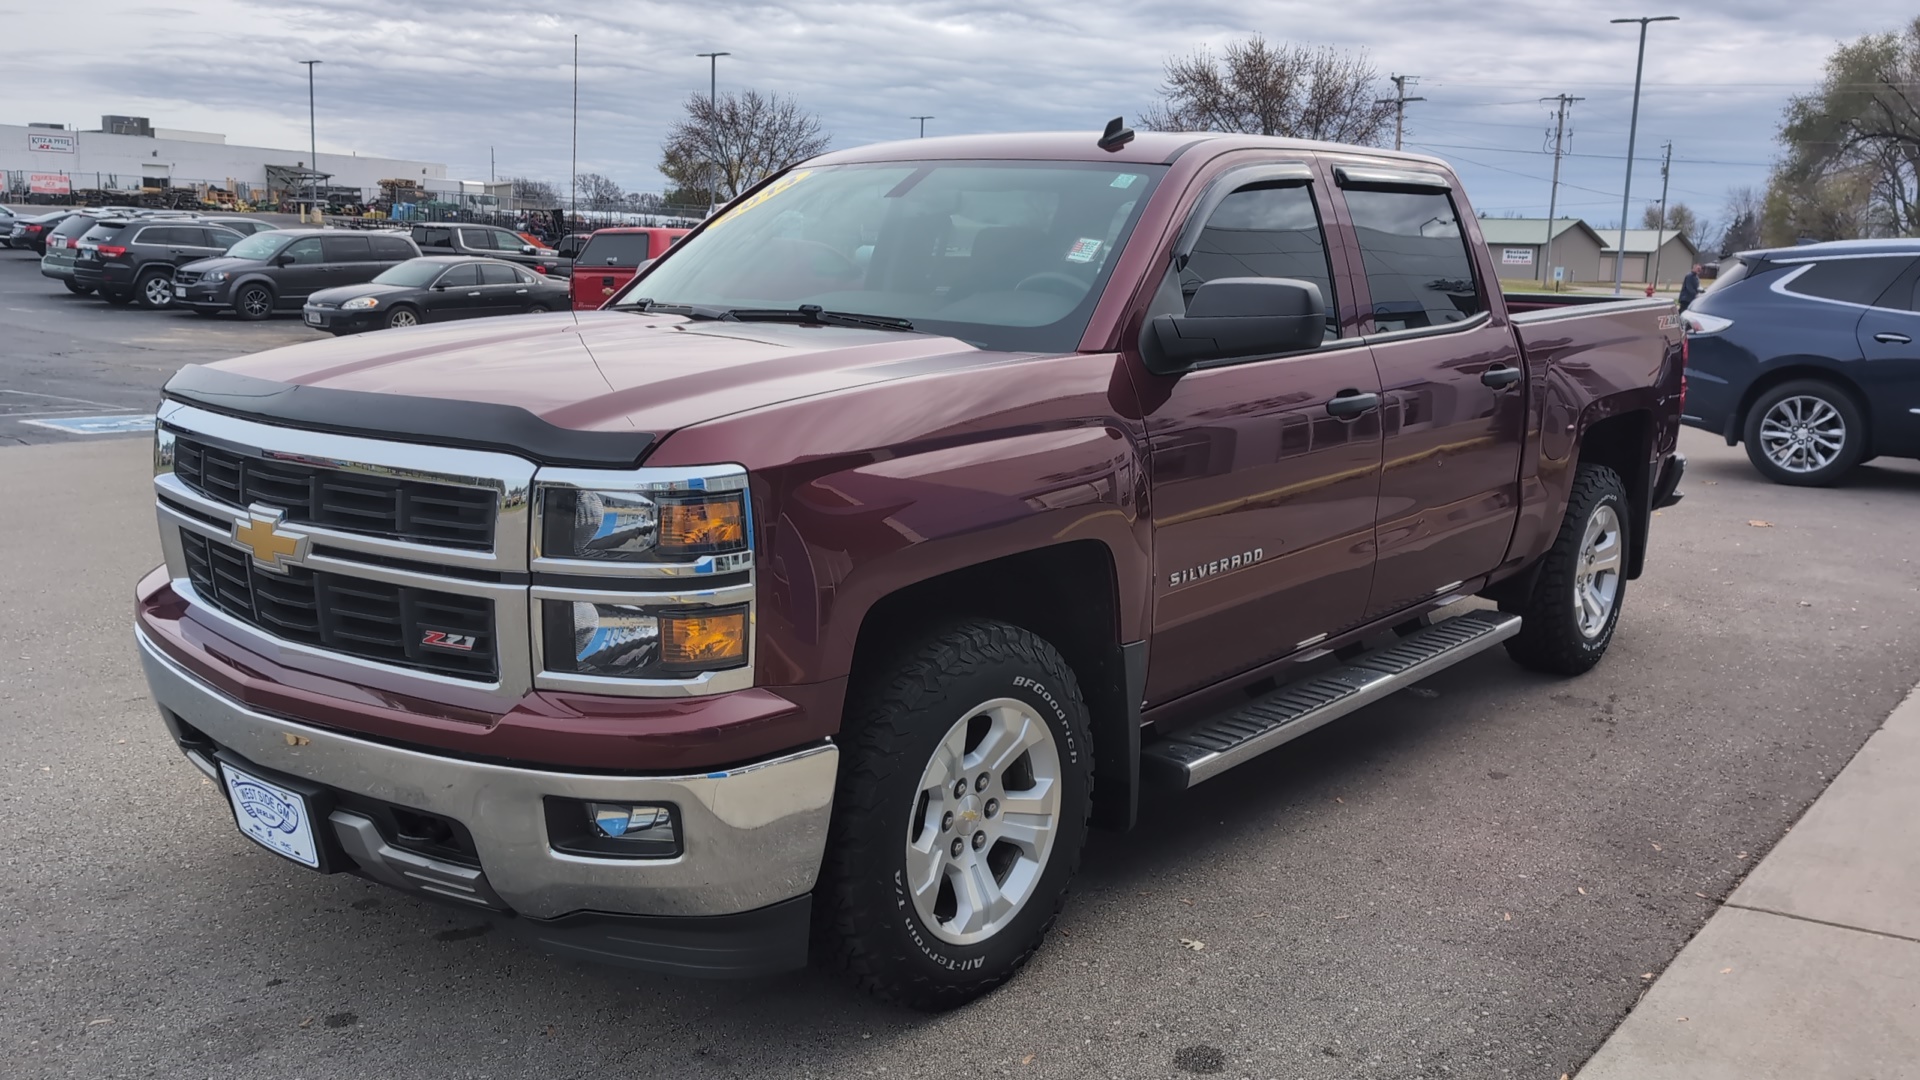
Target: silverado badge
{"points": [[273, 548]]}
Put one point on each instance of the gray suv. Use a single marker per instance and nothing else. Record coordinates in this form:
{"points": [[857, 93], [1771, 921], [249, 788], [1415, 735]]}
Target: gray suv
{"points": [[278, 270], [488, 242]]}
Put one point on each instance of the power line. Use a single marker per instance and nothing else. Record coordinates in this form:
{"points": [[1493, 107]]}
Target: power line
{"points": [[1601, 157]]}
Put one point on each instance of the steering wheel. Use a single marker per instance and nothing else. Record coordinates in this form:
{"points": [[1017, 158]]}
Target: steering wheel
{"points": [[1055, 282]]}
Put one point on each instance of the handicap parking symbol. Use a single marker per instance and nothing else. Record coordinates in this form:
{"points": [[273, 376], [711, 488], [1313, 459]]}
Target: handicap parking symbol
{"points": [[124, 424]]}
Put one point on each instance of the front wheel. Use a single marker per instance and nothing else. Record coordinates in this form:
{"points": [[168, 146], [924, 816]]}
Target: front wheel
{"points": [[1568, 619], [1806, 433], [402, 317], [966, 777], [253, 302]]}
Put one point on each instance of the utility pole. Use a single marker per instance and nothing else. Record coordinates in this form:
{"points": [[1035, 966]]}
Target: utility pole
{"points": [[923, 123], [713, 108], [1633, 130], [1399, 102], [489, 164], [573, 172], [313, 143], [1659, 234], [1553, 195]]}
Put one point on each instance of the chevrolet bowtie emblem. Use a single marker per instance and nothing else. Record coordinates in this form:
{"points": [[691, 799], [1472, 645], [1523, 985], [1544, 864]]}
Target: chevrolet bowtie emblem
{"points": [[273, 549]]}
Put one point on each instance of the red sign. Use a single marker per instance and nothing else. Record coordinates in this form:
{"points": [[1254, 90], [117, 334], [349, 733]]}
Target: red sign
{"points": [[42, 183]]}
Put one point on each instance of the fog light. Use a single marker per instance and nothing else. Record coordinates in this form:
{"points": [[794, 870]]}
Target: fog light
{"points": [[608, 830], [619, 819]]}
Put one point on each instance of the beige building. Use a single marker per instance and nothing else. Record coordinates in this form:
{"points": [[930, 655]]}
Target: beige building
{"points": [[1521, 250], [1676, 255]]}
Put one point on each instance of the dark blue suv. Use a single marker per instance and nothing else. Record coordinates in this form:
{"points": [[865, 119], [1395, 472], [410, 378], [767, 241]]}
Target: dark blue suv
{"points": [[1811, 356]]}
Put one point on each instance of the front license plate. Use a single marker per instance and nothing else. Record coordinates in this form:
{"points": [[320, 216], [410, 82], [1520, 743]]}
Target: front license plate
{"points": [[272, 816], [313, 318]]}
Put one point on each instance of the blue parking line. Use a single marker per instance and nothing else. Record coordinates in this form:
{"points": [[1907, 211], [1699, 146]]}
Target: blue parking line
{"points": [[125, 424]]}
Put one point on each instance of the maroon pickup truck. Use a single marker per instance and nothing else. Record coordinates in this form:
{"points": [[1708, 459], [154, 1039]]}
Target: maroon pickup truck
{"points": [[909, 518]]}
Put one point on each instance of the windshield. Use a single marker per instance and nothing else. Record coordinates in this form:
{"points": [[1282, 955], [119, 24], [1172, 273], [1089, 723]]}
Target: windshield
{"points": [[1004, 255], [257, 246], [413, 273]]}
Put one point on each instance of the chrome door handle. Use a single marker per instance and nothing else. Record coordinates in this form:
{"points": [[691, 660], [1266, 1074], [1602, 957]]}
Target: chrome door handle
{"points": [[1349, 403], [473, 294], [1890, 338], [1500, 376]]}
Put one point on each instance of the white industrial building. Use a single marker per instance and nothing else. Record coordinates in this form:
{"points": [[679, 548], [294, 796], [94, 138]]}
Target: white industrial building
{"points": [[128, 154]]}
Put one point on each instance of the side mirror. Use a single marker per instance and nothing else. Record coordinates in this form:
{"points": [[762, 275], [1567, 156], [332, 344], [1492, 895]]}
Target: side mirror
{"points": [[1236, 317], [283, 260], [528, 249]]}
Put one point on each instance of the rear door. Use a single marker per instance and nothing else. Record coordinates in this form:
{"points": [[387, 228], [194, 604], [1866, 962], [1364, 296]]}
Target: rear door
{"points": [[1889, 334], [502, 291], [350, 260], [1454, 401], [456, 295], [214, 242], [1263, 503]]}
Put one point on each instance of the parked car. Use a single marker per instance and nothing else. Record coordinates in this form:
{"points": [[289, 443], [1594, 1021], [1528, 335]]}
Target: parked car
{"points": [[240, 223], [7, 218], [485, 241], [30, 233], [63, 247], [134, 259], [434, 288], [1810, 356], [278, 270], [900, 523], [609, 259]]}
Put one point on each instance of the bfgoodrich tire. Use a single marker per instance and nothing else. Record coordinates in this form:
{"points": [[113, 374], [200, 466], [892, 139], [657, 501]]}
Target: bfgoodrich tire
{"points": [[1806, 433], [1568, 620], [966, 776]]}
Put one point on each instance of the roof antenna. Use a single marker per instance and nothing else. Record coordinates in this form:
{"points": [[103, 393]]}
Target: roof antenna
{"points": [[1117, 135]]}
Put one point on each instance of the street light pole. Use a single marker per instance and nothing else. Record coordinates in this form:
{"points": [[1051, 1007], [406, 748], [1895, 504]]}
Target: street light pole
{"points": [[713, 108], [923, 123], [1633, 130], [313, 142]]}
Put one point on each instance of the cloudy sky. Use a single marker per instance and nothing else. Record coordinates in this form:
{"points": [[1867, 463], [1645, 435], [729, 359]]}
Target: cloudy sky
{"points": [[449, 81]]}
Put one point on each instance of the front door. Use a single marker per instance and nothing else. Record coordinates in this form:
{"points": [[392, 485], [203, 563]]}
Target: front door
{"points": [[305, 275], [1263, 503], [1453, 397]]}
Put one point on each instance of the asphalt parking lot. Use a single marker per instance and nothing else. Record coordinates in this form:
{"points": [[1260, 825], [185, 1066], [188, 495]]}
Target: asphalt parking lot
{"points": [[1470, 879]]}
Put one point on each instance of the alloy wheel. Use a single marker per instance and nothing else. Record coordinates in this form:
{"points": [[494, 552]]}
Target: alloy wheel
{"points": [[256, 303], [984, 820], [158, 292], [1803, 434], [401, 317], [1596, 584]]}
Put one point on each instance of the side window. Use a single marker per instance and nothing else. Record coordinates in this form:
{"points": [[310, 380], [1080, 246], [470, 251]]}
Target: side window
{"points": [[346, 248], [476, 239], [506, 241], [1416, 259], [460, 276], [1263, 230], [305, 252], [222, 238], [162, 235], [433, 237], [498, 274], [390, 248], [1850, 281]]}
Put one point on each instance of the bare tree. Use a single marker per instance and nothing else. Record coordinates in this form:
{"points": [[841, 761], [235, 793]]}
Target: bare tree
{"points": [[530, 194], [727, 146], [1745, 212], [1679, 218], [599, 192], [1258, 88]]}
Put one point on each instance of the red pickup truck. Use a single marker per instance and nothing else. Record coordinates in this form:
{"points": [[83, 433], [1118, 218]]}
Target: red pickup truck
{"points": [[818, 595], [610, 258]]}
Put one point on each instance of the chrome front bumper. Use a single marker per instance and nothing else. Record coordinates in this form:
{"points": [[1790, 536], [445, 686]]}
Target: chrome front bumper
{"points": [[751, 836]]}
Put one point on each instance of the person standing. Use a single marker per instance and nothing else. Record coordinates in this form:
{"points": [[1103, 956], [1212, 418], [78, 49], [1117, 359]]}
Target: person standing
{"points": [[1690, 287]]}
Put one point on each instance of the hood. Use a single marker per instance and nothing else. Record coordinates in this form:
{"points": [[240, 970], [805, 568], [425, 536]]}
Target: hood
{"points": [[611, 371]]}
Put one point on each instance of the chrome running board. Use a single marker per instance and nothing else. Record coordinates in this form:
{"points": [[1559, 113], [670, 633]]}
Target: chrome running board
{"points": [[1211, 747]]}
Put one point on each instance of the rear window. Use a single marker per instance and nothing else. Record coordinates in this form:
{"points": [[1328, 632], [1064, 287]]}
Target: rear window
{"points": [[74, 226], [433, 237], [1850, 281], [1730, 271], [103, 232], [498, 274], [346, 248], [615, 249]]}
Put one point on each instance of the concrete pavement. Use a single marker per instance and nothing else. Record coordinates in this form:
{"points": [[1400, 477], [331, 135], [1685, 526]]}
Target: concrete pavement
{"points": [[1811, 970]]}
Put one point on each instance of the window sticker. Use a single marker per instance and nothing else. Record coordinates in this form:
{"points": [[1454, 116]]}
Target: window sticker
{"points": [[768, 192], [1083, 250], [1125, 180]]}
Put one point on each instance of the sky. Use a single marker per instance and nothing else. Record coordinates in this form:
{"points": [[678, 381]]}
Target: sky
{"points": [[456, 82]]}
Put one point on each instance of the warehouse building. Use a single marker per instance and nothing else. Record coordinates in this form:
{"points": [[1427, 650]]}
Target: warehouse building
{"points": [[1675, 256], [1521, 250], [128, 155]]}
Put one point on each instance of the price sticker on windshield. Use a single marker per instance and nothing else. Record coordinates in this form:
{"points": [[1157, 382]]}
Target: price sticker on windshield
{"points": [[1083, 250]]}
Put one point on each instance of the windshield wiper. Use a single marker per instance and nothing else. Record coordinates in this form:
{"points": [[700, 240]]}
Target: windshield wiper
{"points": [[649, 306], [812, 313]]}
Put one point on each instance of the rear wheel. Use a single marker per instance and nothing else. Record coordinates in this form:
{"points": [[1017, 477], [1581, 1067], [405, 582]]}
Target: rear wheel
{"points": [[536, 309], [966, 776], [116, 298], [1806, 433], [154, 289], [1567, 621], [402, 316], [253, 302], [75, 287]]}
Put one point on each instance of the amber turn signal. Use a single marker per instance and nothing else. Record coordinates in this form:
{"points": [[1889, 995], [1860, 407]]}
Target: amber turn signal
{"points": [[703, 525], [703, 642]]}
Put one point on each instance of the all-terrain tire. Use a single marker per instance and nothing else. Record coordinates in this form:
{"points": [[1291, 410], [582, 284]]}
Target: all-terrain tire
{"points": [[866, 921], [1552, 638]]}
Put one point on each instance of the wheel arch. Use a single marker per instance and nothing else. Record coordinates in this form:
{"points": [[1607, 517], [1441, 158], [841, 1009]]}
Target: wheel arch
{"points": [[1624, 442]]}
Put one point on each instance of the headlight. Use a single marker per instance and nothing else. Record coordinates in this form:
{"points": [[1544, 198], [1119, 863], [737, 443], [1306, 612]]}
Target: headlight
{"points": [[217, 275], [361, 303], [632, 526], [631, 641]]}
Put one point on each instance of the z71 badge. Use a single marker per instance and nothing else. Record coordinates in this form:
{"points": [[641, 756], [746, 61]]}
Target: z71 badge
{"points": [[440, 639]]}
